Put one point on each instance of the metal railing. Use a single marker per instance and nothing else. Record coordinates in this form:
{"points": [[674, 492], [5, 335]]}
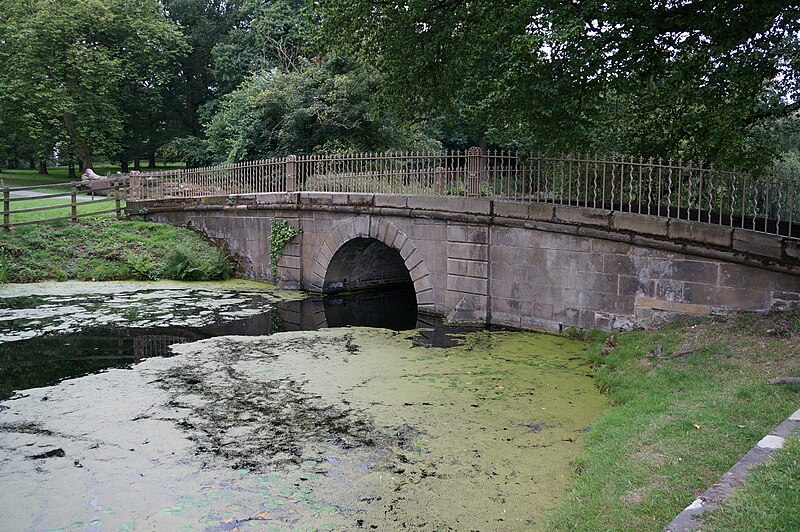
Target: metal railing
{"points": [[672, 189]]}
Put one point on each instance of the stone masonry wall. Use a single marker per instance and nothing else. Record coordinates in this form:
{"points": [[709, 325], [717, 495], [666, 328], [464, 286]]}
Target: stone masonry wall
{"points": [[525, 265]]}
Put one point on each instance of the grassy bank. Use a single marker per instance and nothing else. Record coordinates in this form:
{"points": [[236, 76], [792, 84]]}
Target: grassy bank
{"points": [[689, 400], [107, 249]]}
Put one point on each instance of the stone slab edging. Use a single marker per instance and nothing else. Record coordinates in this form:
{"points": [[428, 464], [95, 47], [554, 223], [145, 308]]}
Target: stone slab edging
{"points": [[709, 500]]}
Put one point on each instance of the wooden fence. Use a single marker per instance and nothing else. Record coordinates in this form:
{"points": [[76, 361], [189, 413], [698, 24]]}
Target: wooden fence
{"points": [[80, 199], [654, 187]]}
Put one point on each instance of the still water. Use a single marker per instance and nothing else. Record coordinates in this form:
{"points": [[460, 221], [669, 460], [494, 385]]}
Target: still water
{"points": [[232, 406]]}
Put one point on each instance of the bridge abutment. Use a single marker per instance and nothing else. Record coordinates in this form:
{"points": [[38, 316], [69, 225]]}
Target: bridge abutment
{"points": [[520, 264]]}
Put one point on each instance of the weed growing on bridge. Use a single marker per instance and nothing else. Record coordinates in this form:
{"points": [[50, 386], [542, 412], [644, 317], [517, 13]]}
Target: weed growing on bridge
{"points": [[280, 234]]}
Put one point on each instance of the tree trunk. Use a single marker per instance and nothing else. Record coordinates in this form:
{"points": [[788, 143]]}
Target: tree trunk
{"points": [[151, 159], [137, 165], [123, 166], [42, 166], [80, 166], [84, 151], [31, 163], [72, 176]]}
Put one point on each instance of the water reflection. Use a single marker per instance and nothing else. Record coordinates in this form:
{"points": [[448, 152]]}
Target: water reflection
{"points": [[46, 360]]}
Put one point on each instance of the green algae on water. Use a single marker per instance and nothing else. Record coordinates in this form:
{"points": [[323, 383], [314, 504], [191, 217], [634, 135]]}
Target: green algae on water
{"points": [[339, 428]]}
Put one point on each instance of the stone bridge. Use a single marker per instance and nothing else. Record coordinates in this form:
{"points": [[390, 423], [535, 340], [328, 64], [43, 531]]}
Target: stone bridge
{"points": [[530, 265]]}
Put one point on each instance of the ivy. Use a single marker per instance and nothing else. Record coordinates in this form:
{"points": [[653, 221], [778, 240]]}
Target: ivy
{"points": [[281, 233]]}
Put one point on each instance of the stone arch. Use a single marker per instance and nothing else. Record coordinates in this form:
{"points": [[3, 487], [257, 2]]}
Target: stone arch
{"points": [[376, 228]]}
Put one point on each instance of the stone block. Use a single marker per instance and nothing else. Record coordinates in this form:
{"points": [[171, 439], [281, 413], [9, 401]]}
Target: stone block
{"points": [[339, 198], [476, 234], [714, 296], [287, 261], [792, 250], [399, 241], [598, 282], [575, 261], [618, 264], [511, 209], [418, 272], [467, 308], [610, 246], [740, 276], [427, 230], [460, 250], [541, 211], [412, 259], [467, 285], [396, 201], [705, 272], [757, 243], [361, 200], [510, 236], [582, 215], [627, 285], [508, 289], [430, 203], [472, 205], [278, 198], [640, 223], [468, 268], [671, 306], [715, 235], [423, 284], [315, 198], [506, 254], [541, 239], [361, 227]]}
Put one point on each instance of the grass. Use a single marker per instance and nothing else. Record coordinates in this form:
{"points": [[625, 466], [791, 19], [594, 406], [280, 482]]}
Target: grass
{"points": [[679, 421], [104, 249], [769, 500], [60, 174]]}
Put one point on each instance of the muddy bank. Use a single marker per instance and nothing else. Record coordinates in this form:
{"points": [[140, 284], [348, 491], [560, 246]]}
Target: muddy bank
{"points": [[335, 429]]}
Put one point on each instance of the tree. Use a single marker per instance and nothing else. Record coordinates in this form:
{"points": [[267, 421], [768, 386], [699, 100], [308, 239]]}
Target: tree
{"points": [[698, 78], [68, 65], [314, 108]]}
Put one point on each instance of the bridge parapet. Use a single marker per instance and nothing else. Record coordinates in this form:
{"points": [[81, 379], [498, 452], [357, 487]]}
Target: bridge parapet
{"points": [[663, 189], [517, 263]]}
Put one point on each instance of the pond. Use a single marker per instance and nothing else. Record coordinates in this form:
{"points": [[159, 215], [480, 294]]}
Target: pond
{"points": [[232, 406]]}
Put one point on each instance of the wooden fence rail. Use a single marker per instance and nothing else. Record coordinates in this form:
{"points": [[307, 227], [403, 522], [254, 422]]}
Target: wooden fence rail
{"points": [[78, 196]]}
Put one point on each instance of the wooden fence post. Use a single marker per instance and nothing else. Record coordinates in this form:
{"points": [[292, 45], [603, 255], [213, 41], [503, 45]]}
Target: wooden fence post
{"points": [[117, 202], [135, 191], [291, 173], [6, 209], [73, 202]]}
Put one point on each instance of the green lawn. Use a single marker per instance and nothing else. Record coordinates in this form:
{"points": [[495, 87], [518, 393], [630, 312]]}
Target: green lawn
{"points": [[96, 204], [769, 500], [60, 174], [679, 421]]}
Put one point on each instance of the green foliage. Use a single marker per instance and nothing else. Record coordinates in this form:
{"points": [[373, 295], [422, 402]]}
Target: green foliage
{"points": [[74, 72], [673, 79], [92, 250], [312, 109], [281, 233]]}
